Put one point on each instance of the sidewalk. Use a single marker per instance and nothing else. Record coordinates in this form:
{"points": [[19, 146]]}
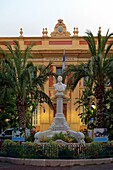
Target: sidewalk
{"points": [[56, 162], [9, 166]]}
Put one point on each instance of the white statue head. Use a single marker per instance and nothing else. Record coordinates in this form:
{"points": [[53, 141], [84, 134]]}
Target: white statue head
{"points": [[59, 79], [59, 86]]}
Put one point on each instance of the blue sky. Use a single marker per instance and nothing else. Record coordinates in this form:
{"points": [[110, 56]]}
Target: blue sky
{"points": [[34, 15]]}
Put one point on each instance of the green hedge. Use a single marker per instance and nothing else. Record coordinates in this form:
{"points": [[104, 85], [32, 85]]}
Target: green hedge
{"points": [[52, 150]]}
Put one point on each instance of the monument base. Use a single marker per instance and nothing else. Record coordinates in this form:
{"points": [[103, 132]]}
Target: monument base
{"points": [[49, 134], [59, 123]]}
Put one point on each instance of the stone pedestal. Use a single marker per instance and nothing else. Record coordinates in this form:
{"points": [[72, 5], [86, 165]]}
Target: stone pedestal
{"points": [[59, 122]]}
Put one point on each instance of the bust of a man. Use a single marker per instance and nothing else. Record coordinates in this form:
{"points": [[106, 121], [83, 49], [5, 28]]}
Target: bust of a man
{"points": [[59, 86]]}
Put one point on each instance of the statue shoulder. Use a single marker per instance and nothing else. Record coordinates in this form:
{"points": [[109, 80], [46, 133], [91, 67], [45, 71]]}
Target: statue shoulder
{"points": [[59, 86]]}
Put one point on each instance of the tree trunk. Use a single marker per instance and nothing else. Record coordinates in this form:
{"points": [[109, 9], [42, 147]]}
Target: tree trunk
{"points": [[99, 94], [21, 109], [99, 113]]}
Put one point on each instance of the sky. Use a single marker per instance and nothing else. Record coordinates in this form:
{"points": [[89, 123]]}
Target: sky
{"points": [[34, 15]]}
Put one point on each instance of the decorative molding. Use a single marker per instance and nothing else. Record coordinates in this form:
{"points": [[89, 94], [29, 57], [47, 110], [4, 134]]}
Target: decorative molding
{"points": [[60, 42], [59, 59], [82, 42], [4, 42], [108, 42], [32, 42]]}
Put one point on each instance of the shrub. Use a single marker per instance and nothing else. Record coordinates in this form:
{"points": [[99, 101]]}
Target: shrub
{"points": [[9, 148], [52, 150], [58, 136], [43, 139], [40, 150], [93, 150], [27, 150], [66, 152], [110, 142], [30, 138], [27, 143], [87, 138], [7, 143], [65, 137], [107, 150]]}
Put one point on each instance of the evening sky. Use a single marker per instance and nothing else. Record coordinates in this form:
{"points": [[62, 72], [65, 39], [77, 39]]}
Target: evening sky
{"points": [[34, 15]]}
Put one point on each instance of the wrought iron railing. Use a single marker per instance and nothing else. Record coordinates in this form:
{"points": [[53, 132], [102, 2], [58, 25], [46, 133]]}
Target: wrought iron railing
{"points": [[56, 151]]}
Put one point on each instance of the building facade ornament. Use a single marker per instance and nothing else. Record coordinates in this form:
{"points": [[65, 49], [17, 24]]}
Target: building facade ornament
{"points": [[44, 32], [60, 30], [75, 31], [21, 32]]}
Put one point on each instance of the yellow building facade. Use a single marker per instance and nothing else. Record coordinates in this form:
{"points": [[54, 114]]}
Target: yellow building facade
{"points": [[50, 48]]}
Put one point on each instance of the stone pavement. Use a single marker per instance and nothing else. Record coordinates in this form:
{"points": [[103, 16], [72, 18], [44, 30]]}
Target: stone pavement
{"points": [[11, 166]]}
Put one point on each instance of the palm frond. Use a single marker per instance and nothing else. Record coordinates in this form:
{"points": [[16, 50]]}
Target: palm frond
{"points": [[99, 42], [75, 73], [27, 54], [44, 72], [104, 42], [44, 98], [108, 49], [91, 42]]}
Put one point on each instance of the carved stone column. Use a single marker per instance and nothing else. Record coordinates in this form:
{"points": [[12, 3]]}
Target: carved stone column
{"points": [[59, 122]]}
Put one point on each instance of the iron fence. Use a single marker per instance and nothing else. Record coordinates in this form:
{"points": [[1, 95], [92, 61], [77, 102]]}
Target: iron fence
{"points": [[56, 151]]}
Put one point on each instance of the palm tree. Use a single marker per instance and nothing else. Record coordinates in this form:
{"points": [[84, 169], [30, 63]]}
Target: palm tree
{"points": [[99, 69], [24, 81], [7, 100], [86, 102]]}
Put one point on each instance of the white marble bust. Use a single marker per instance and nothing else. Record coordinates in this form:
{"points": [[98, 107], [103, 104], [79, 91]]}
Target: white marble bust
{"points": [[59, 86]]}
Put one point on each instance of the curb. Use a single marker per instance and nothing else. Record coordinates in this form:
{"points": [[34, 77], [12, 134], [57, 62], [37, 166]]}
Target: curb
{"points": [[56, 162]]}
